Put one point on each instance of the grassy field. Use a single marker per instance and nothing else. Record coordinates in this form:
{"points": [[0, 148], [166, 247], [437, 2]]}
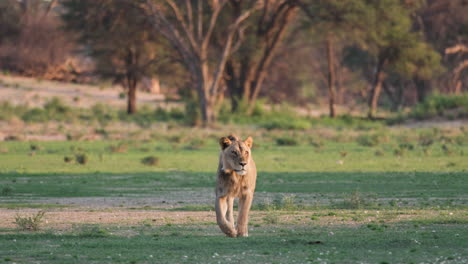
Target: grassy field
{"points": [[357, 196]]}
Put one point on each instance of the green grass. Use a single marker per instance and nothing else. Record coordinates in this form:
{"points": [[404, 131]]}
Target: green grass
{"points": [[394, 243], [328, 199]]}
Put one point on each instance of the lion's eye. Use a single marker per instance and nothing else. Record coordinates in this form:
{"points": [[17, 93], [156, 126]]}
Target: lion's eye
{"points": [[234, 153], [246, 153]]}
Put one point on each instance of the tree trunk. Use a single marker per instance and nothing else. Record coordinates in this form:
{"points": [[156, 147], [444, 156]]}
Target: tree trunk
{"points": [[331, 75], [131, 98], [376, 88], [422, 89]]}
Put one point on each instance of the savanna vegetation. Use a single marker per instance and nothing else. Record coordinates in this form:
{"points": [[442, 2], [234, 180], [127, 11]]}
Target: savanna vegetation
{"points": [[324, 195], [111, 112], [226, 55]]}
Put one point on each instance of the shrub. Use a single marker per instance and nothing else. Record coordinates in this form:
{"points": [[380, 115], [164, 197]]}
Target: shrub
{"points": [[92, 231], [150, 161], [35, 147], [81, 158], [369, 140], [30, 223], [195, 144], [443, 106], [7, 190], [271, 217], [119, 148], [286, 141], [286, 123], [67, 159]]}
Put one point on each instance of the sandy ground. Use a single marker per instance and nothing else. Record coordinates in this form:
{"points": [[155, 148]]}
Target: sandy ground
{"points": [[34, 92]]}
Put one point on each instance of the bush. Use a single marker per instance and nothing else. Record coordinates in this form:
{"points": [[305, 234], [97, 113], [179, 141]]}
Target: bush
{"points": [[195, 144], [150, 161], [448, 106], [286, 141], [119, 148], [81, 158], [7, 190], [369, 140], [286, 123], [29, 223]]}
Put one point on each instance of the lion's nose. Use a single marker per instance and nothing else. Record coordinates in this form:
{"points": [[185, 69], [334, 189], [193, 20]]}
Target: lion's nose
{"points": [[243, 163]]}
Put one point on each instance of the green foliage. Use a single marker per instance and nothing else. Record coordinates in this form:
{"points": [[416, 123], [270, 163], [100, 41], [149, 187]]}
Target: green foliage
{"points": [[8, 111], [279, 117], [441, 106], [55, 109], [286, 141], [370, 140], [118, 148], [81, 158], [272, 217], [30, 223], [7, 190], [150, 161]]}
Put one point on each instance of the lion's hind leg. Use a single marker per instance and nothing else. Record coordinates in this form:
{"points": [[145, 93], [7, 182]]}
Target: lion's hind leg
{"points": [[221, 207]]}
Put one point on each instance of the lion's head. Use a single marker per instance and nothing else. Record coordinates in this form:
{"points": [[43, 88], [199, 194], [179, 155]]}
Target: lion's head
{"points": [[235, 154]]}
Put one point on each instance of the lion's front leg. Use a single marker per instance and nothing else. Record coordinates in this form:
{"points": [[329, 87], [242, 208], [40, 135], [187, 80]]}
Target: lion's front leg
{"points": [[245, 202], [230, 210], [221, 207]]}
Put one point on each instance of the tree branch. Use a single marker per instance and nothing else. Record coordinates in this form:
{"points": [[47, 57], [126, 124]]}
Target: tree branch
{"points": [[456, 49], [180, 18]]}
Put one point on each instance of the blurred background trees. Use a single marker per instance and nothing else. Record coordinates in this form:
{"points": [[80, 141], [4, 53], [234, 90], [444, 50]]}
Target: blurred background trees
{"points": [[346, 53]]}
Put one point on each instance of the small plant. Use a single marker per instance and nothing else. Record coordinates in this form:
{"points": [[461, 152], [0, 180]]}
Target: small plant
{"points": [[119, 148], [317, 143], [35, 147], [379, 153], [67, 159], [195, 144], [357, 200], [447, 150], [288, 202], [81, 158], [369, 140], [286, 141], [150, 161], [376, 227], [406, 146], [400, 152], [91, 231], [271, 217], [31, 223], [7, 190], [122, 95]]}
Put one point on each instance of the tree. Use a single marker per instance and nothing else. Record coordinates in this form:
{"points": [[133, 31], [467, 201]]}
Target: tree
{"points": [[445, 25], [188, 26], [246, 72], [395, 47], [332, 20], [31, 38], [118, 37]]}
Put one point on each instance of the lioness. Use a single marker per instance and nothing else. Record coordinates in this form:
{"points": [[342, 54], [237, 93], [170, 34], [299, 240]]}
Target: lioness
{"points": [[236, 178]]}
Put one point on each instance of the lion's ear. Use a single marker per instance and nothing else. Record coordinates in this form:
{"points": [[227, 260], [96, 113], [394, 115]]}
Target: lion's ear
{"points": [[249, 142], [224, 142]]}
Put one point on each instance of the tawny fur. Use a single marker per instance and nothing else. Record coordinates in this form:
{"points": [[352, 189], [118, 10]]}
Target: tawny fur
{"points": [[237, 176]]}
